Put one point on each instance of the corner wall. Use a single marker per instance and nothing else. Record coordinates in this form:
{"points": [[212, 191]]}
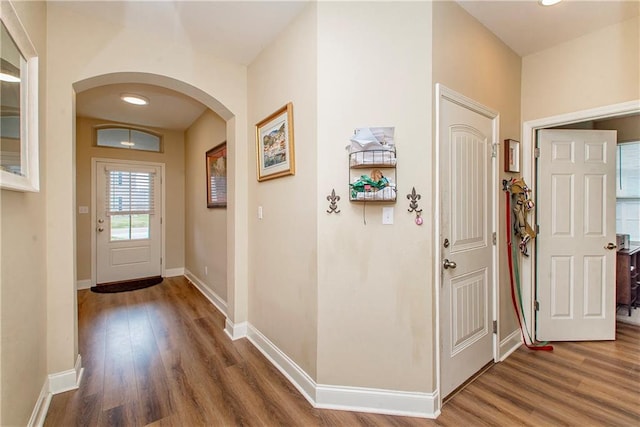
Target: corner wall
{"points": [[471, 60], [205, 229], [23, 260], [173, 158], [283, 274], [375, 290]]}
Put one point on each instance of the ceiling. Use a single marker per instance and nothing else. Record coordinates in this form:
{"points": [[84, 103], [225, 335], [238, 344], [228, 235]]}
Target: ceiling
{"points": [[239, 30]]}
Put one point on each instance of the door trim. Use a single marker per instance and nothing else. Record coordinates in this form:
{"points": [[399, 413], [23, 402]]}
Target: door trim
{"points": [[444, 93], [529, 128], [94, 252]]}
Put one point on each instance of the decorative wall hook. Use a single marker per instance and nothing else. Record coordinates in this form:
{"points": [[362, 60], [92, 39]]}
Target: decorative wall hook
{"points": [[413, 205], [333, 205]]}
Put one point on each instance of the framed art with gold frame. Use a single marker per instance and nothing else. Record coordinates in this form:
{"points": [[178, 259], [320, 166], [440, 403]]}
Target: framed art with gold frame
{"points": [[275, 153]]}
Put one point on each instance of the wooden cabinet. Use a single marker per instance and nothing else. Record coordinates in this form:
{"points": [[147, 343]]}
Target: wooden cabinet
{"points": [[627, 277]]}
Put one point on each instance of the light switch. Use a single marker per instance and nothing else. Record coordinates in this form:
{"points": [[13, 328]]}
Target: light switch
{"points": [[83, 209], [259, 212], [387, 216]]}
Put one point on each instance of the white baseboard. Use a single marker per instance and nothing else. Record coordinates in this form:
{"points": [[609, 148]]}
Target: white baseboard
{"points": [[42, 406], [390, 402], [83, 284], [296, 375], [174, 272], [66, 380], [511, 343], [235, 331], [209, 294]]}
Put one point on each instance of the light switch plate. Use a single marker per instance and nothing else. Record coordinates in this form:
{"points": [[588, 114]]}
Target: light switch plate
{"points": [[387, 216]]}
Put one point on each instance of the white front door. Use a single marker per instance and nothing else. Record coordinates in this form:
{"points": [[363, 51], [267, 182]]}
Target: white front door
{"points": [[466, 295], [127, 223], [576, 254]]}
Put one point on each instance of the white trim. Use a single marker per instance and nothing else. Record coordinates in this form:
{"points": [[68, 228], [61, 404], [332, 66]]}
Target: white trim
{"points": [[295, 374], [208, 293], [235, 332], [390, 402], [174, 272], [83, 284], [511, 343], [163, 186], [41, 407], [529, 128], [66, 380], [442, 92]]}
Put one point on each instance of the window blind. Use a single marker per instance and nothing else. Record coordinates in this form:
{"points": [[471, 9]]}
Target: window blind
{"points": [[130, 193]]}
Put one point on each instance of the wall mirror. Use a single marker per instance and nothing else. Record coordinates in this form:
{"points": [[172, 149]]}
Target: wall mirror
{"points": [[19, 168]]}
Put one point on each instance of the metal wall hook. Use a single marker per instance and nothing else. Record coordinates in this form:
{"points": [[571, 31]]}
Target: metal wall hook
{"points": [[333, 205], [413, 204]]}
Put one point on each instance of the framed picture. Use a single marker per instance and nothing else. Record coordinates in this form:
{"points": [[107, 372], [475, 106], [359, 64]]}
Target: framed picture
{"points": [[275, 153], [511, 155], [217, 176]]}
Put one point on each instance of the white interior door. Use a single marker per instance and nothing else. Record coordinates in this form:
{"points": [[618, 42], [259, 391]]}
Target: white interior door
{"points": [[576, 214], [466, 295], [127, 223]]}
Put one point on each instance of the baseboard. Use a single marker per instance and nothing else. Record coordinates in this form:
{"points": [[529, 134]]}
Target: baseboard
{"points": [[510, 344], [42, 406], [174, 272], [66, 380], [296, 375], [360, 399], [235, 331], [209, 294], [389, 402], [83, 284]]}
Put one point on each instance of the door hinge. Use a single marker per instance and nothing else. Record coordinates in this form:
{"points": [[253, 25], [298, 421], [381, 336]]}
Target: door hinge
{"points": [[495, 238], [536, 152], [536, 305], [160, 220], [160, 260], [537, 229], [495, 326], [494, 151]]}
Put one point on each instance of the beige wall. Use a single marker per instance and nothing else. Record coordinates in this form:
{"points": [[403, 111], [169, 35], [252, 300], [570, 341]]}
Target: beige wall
{"points": [[101, 48], [598, 69], [205, 229], [173, 158], [471, 60], [283, 256], [375, 290], [23, 296]]}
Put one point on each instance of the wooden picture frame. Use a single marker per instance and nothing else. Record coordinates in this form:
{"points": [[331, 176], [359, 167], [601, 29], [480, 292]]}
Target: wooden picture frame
{"points": [[216, 159], [511, 155], [275, 153]]}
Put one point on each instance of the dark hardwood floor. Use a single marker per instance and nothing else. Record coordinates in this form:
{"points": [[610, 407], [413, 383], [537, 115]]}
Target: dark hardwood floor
{"points": [[159, 356]]}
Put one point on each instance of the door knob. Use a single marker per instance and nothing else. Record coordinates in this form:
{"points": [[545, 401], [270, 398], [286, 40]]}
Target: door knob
{"points": [[448, 264], [100, 229], [611, 246]]}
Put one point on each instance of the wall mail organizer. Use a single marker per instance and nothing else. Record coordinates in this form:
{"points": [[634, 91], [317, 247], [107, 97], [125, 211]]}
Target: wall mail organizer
{"points": [[372, 150]]}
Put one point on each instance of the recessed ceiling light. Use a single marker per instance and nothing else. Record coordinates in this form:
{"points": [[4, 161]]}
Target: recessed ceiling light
{"points": [[548, 2], [9, 78], [134, 99], [127, 143]]}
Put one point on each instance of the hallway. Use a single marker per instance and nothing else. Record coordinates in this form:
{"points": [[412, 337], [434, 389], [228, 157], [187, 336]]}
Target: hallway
{"points": [[159, 356]]}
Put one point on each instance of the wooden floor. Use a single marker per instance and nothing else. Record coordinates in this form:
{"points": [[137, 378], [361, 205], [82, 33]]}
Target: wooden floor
{"points": [[159, 356]]}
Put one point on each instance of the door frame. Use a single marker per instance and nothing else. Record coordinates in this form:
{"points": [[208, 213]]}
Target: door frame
{"points": [[529, 129], [444, 93], [94, 195]]}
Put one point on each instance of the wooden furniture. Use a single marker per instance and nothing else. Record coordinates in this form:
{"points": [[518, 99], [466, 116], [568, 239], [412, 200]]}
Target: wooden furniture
{"points": [[628, 276]]}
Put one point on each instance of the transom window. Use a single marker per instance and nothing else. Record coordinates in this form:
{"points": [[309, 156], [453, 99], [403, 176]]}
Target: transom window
{"points": [[628, 189], [127, 138]]}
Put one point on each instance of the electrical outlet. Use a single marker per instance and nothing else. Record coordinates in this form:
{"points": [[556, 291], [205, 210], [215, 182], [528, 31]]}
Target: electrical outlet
{"points": [[206, 270], [259, 212]]}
